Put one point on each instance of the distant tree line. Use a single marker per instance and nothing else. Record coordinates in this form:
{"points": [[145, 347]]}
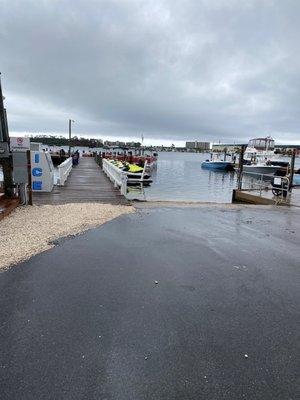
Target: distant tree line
{"points": [[53, 140]]}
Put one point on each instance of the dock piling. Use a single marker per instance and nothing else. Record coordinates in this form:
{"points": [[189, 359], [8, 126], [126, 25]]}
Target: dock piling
{"points": [[292, 169], [241, 164]]}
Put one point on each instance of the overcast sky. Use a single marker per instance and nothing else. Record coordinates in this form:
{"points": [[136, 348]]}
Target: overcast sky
{"points": [[171, 70]]}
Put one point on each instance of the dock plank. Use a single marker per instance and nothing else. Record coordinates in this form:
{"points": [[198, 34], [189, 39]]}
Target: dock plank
{"points": [[86, 183]]}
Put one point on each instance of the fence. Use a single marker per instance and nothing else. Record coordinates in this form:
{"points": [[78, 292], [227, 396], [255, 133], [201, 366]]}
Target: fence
{"points": [[263, 184], [64, 170], [117, 176]]}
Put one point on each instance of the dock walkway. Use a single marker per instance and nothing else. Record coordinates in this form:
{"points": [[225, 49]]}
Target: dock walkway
{"points": [[86, 183]]}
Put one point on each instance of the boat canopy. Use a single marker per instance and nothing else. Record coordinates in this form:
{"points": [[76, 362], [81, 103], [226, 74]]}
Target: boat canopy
{"points": [[267, 143]]}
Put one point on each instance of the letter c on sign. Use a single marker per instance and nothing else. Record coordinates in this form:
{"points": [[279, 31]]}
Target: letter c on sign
{"points": [[37, 172]]}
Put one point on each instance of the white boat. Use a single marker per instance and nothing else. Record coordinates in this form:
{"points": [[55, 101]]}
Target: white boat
{"points": [[260, 157], [261, 169]]}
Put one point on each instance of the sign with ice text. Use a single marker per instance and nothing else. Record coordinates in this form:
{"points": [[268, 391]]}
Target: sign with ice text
{"points": [[19, 144]]}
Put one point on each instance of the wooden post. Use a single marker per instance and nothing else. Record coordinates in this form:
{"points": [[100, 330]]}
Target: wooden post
{"points": [[6, 162], [30, 202], [8, 179], [292, 169], [241, 164], [70, 136]]}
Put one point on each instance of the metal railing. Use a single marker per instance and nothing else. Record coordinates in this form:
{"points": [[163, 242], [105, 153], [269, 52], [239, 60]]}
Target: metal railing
{"points": [[116, 175], [64, 170], [279, 185]]}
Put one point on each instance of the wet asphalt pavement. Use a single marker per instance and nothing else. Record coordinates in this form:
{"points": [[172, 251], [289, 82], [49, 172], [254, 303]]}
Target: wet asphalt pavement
{"points": [[86, 320]]}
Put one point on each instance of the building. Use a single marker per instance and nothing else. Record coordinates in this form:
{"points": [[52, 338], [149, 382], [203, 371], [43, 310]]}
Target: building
{"points": [[229, 147], [114, 144], [287, 149], [133, 144], [197, 146]]}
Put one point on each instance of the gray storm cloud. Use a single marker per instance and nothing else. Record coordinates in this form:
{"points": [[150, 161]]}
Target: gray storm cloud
{"points": [[216, 70]]}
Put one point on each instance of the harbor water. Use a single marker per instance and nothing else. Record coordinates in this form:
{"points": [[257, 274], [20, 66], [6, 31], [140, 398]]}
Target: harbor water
{"points": [[179, 177]]}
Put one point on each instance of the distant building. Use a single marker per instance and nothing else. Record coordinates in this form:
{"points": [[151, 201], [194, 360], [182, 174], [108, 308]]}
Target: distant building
{"points": [[114, 144], [201, 146], [234, 147], [133, 144], [229, 147], [287, 149], [190, 145]]}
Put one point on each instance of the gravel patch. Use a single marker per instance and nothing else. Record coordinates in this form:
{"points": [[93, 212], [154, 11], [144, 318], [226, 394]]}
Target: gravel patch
{"points": [[30, 230]]}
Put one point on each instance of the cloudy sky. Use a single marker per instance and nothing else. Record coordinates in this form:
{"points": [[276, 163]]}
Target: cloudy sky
{"points": [[216, 70]]}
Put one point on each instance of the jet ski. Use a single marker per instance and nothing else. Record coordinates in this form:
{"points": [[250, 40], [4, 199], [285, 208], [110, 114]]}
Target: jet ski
{"points": [[134, 173]]}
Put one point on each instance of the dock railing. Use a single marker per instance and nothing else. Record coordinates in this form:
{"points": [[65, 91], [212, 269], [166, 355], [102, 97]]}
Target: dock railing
{"points": [[117, 176], [262, 183], [64, 170]]}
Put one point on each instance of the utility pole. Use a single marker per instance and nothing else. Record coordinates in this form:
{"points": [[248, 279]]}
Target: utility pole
{"points": [[5, 156], [70, 135]]}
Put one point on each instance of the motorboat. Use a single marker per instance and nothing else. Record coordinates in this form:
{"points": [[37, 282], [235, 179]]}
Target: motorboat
{"points": [[217, 165], [260, 158], [261, 169]]}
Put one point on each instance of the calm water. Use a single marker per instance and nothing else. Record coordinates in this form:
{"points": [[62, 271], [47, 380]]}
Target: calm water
{"points": [[179, 176]]}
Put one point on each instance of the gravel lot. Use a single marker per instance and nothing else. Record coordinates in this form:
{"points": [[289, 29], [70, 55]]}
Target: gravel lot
{"points": [[30, 230]]}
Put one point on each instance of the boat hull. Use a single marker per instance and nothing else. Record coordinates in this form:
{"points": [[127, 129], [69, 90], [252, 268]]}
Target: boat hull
{"points": [[217, 165], [261, 169]]}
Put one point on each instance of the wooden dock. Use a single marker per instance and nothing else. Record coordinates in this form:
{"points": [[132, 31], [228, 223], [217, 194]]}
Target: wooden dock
{"points": [[85, 184], [266, 197]]}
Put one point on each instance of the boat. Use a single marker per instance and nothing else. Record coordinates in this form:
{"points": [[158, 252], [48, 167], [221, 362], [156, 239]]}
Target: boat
{"points": [[260, 158], [217, 165], [261, 169]]}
